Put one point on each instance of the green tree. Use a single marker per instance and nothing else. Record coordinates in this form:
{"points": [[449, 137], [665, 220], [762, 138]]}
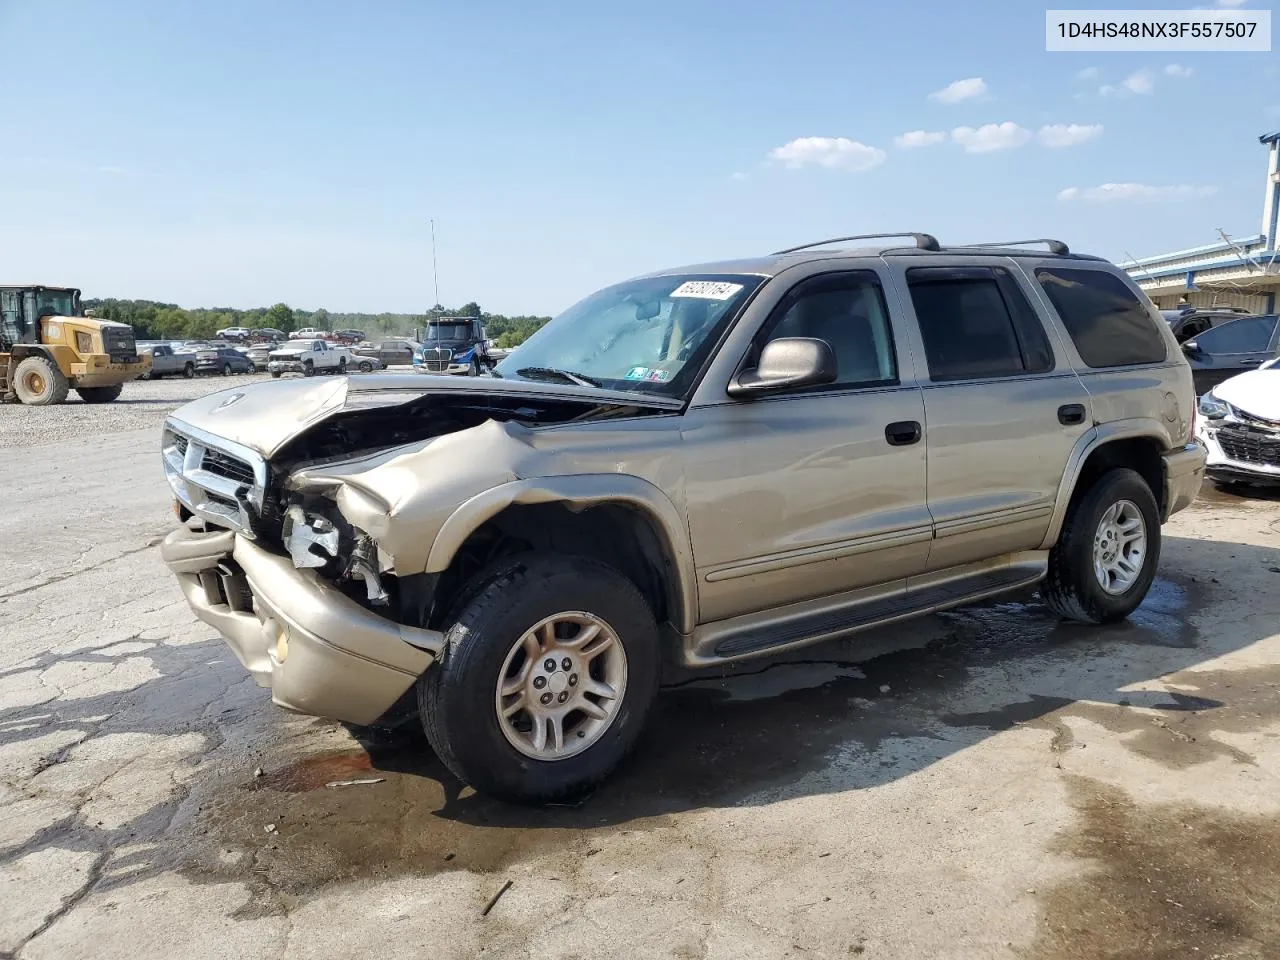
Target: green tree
{"points": [[280, 316], [320, 320]]}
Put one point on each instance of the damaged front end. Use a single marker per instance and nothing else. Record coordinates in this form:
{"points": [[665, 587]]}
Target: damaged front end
{"points": [[305, 534]]}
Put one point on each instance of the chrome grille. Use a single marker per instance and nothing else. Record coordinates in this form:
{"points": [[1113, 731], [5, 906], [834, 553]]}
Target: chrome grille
{"points": [[216, 479], [436, 359]]}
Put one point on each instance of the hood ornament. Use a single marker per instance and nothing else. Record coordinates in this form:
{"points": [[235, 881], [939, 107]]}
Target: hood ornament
{"points": [[234, 398]]}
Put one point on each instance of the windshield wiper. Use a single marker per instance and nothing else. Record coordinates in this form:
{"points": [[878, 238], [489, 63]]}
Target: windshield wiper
{"points": [[582, 380]]}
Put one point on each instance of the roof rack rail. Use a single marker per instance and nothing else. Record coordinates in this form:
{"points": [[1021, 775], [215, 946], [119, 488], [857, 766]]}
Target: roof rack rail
{"points": [[1055, 246], [924, 241]]}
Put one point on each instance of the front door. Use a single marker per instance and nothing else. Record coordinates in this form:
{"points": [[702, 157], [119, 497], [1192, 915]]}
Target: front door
{"points": [[820, 490], [1233, 348], [1001, 413]]}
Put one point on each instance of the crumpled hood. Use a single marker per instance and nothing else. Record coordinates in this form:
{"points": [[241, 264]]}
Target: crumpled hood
{"points": [[1256, 392], [265, 416]]}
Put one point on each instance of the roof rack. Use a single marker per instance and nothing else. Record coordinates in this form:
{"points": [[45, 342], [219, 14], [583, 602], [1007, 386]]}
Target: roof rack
{"points": [[1055, 246], [924, 241]]}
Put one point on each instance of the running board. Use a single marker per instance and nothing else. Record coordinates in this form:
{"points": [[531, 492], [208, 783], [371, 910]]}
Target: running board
{"points": [[827, 618]]}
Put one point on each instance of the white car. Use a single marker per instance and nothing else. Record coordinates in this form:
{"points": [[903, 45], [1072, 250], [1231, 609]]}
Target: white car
{"points": [[307, 357], [306, 333], [234, 333], [1238, 423]]}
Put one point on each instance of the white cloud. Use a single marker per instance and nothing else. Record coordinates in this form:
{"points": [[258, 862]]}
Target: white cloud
{"points": [[1177, 70], [1231, 3], [1069, 134], [739, 176], [959, 90], [1089, 73], [919, 138], [831, 152], [1139, 82], [1136, 191], [991, 136]]}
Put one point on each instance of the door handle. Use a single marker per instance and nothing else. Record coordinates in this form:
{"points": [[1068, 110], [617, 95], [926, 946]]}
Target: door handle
{"points": [[1070, 414], [903, 433]]}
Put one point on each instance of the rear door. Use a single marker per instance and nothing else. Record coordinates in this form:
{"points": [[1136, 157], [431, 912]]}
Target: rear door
{"points": [[396, 352], [1234, 347], [1002, 411]]}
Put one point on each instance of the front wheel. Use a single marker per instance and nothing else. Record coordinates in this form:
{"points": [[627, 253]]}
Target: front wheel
{"points": [[545, 681], [342, 366], [1105, 559], [366, 367], [226, 369], [308, 369], [275, 374], [100, 394], [475, 367], [188, 371]]}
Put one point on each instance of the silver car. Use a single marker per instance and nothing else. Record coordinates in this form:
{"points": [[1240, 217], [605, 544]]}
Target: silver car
{"points": [[707, 464]]}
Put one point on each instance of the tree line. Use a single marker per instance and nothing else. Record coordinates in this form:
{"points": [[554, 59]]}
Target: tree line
{"points": [[168, 321]]}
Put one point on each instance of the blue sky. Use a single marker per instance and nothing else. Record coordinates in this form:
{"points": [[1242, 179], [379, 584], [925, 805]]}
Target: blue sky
{"points": [[238, 153]]}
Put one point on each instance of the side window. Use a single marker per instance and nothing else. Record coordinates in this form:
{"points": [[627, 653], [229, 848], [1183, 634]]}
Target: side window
{"points": [[976, 323], [848, 311], [315, 347], [1248, 335], [1192, 329], [1107, 322]]}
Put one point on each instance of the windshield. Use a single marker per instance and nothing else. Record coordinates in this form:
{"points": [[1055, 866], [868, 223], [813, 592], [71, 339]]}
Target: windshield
{"points": [[448, 331], [58, 303], [650, 335]]}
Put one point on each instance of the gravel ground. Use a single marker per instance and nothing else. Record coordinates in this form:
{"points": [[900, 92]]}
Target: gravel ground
{"points": [[991, 783]]}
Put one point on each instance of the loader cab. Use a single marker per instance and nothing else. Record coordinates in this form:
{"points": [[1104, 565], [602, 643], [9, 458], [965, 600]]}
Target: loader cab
{"points": [[23, 308]]}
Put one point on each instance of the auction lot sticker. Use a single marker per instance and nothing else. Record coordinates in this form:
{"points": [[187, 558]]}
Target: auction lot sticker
{"points": [[707, 289]]}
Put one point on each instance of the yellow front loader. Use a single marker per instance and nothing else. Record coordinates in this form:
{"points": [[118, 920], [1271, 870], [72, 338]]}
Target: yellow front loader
{"points": [[49, 347]]}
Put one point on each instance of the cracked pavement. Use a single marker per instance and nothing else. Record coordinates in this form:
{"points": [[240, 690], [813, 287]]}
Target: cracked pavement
{"points": [[987, 783]]}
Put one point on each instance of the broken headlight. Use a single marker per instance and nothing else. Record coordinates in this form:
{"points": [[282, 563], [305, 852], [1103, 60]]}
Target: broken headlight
{"points": [[315, 542], [1211, 408]]}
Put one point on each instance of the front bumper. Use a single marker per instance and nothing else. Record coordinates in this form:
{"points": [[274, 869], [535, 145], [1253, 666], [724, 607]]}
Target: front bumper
{"points": [[319, 652], [1183, 475], [285, 366], [1221, 465], [99, 371]]}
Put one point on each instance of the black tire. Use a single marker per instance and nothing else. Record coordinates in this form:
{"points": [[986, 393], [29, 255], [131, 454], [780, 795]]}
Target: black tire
{"points": [[366, 367], [275, 374], [100, 394], [39, 383], [308, 369], [475, 367], [456, 695], [1071, 588], [226, 369], [188, 371], [342, 366]]}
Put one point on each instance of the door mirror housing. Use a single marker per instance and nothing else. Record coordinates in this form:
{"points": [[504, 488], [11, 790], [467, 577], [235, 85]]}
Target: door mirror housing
{"points": [[1191, 348], [786, 364]]}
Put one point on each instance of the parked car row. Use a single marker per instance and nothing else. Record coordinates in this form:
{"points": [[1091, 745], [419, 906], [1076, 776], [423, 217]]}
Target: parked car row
{"points": [[224, 358]]}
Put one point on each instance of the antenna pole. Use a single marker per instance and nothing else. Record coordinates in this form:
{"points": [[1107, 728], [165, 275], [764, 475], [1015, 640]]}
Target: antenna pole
{"points": [[435, 274]]}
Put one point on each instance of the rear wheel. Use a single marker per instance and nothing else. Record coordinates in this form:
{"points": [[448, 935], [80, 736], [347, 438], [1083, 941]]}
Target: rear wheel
{"points": [[100, 394], [545, 680], [1105, 559], [226, 369], [366, 366], [39, 383], [275, 374]]}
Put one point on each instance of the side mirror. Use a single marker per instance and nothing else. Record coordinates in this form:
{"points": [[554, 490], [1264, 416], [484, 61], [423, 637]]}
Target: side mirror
{"points": [[1191, 348], [787, 364]]}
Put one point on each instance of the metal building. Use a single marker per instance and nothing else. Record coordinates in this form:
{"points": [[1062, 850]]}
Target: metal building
{"points": [[1235, 272]]}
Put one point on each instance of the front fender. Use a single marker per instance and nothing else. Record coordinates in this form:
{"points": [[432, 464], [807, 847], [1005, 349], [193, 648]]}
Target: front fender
{"points": [[580, 492]]}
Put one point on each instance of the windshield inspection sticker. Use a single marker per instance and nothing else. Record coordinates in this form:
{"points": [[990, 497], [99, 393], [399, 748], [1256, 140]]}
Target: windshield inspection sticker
{"points": [[707, 289], [637, 373], [658, 376]]}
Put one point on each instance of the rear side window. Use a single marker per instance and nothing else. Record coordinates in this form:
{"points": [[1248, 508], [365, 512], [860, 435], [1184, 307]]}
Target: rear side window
{"points": [[976, 323], [1250, 335], [1108, 324]]}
